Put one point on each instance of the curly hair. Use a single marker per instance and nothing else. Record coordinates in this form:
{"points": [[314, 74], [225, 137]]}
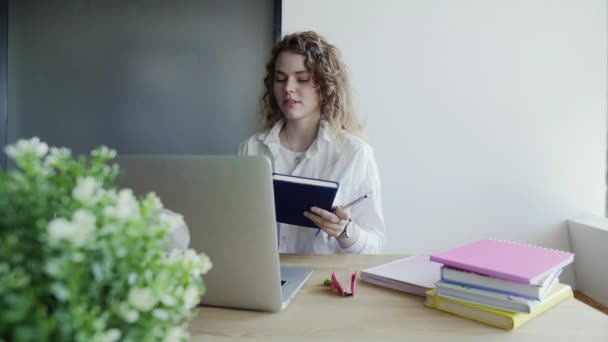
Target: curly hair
{"points": [[324, 62]]}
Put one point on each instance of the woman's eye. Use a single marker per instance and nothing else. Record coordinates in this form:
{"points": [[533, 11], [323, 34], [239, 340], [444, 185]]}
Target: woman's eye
{"points": [[299, 80]]}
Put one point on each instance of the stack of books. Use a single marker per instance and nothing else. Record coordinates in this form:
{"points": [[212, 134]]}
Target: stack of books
{"points": [[500, 283]]}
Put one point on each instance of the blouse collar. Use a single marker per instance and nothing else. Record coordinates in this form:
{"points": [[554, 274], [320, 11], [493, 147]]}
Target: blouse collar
{"points": [[271, 138]]}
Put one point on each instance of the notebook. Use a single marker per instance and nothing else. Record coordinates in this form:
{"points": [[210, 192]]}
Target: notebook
{"points": [[506, 260], [454, 276], [488, 298], [293, 195], [415, 274], [498, 318]]}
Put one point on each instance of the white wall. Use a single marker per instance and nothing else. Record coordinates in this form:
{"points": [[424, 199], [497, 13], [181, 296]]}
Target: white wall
{"points": [[488, 118], [588, 239]]}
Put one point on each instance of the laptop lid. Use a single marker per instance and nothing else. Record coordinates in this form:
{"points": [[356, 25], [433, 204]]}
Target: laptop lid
{"points": [[228, 205]]}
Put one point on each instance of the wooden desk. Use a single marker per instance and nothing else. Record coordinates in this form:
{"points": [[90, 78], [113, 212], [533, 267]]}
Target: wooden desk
{"points": [[377, 313]]}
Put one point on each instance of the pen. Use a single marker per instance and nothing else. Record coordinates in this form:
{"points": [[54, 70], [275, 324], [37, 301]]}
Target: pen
{"points": [[348, 205], [359, 199]]}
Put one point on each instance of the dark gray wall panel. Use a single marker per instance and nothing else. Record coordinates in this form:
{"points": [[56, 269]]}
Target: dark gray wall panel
{"points": [[140, 76], [3, 81]]}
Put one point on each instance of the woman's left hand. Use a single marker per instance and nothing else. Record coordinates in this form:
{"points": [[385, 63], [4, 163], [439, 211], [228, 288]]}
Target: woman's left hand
{"points": [[332, 223]]}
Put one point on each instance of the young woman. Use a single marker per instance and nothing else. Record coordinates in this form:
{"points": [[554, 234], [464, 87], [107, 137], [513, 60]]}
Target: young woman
{"points": [[311, 130]]}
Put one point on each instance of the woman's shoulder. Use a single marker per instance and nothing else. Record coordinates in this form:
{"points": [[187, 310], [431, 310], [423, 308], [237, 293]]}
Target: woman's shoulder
{"points": [[355, 144], [252, 143], [264, 135], [256, 137]]}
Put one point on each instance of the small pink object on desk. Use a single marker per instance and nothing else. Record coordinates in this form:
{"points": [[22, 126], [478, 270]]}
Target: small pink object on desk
{"points": [[335, 284]]}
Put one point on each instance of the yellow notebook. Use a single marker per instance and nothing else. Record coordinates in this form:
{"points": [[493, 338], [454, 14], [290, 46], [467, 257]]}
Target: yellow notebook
{"points": [[498, 318]]}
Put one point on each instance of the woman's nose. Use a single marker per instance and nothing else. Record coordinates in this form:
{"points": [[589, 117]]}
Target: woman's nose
{"points": [[290, 85]]}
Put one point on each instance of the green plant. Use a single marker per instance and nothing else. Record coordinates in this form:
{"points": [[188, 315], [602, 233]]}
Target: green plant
{"points": [[81, 260]]}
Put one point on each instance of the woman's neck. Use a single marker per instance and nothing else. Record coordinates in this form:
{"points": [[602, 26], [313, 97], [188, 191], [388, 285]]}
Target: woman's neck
{"points": [[298, 135]]}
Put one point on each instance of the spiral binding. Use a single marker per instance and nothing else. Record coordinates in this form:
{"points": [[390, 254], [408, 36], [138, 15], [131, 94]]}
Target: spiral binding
{"points": [[529, 245]]}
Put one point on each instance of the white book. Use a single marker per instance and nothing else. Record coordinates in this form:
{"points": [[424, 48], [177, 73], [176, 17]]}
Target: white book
{"points": [[491, 299], [415, 274], [483, 282]]}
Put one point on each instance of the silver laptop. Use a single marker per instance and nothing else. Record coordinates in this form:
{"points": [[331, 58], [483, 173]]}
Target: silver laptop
{"points": [[228, 205]]}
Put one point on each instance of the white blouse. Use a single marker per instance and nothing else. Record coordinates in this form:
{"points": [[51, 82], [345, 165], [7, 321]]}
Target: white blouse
{"points": [[351, 164]]}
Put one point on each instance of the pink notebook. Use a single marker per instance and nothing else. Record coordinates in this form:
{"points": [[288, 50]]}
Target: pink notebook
{"points": [[512, 261]]}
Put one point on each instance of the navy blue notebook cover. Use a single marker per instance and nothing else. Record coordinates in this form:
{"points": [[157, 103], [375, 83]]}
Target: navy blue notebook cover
{"points": [[293, 195]]}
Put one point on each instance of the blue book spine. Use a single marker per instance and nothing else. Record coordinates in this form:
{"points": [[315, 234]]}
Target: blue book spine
{"points": [[510, 293]]}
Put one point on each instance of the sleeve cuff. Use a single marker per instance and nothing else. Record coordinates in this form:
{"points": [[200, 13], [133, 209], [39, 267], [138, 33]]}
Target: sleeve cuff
{"points": [[358, 246]]}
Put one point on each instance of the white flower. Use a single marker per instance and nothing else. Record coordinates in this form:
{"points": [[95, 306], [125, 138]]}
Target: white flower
{"points": [[148, 274], [155, 202], [22, 147], [184, 256], [160, 314], [78, 257], [172, 219], [104, 152], [132, 278], [60, 291], [161, 282], [126, 206], [205, 263], [121, 252], [143, 299], [109, 229], [111, 335], [85, 223], [191, 297], [175, 334], [178, 236], [110, 194], [87, 190], [197, 263], [131, 316], [53, 267], [56, 155], [60, 229], [168, 300], [79, 232]]}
